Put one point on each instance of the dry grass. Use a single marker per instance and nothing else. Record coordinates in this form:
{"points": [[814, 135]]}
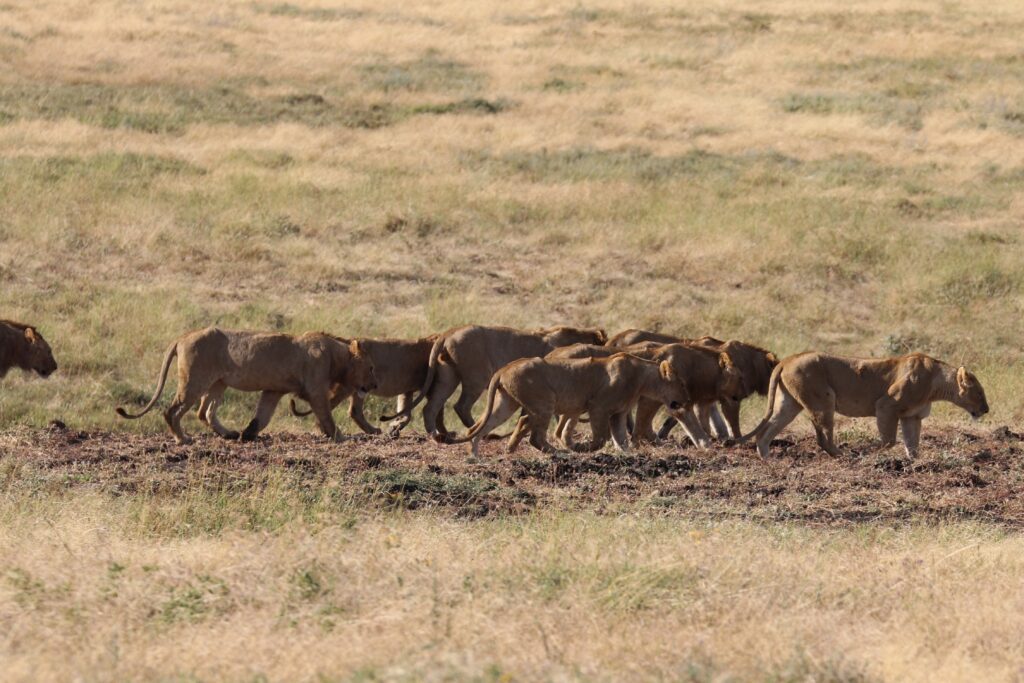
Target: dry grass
{"points": [[292, 559], [567, 596], [799, 174]]}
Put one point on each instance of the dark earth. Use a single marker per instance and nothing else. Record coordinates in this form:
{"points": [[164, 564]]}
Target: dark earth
{"points": [[957, 475]]}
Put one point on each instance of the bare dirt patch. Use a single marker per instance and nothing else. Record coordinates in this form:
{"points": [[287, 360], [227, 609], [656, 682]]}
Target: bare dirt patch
{"points": [[958, 475]]}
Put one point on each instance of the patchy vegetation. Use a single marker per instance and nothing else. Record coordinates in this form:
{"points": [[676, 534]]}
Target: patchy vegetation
{"points": [[957, 476], [793, 175]]}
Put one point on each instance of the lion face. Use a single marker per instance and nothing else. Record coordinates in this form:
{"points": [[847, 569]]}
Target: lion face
{"points": [[40, 355], [731, 385], [970, 394], [360, 373], [674, 393]]}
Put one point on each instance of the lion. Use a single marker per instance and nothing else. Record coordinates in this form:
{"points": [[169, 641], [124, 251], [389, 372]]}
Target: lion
{"points": [[709, 376], [212, 359], [892, 390], [606, 388], [21, 346], [399, 365], [756, 365], [470, 355]]}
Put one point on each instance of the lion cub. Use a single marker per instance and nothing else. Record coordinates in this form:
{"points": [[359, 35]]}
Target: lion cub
{"points": [[211, 360], [894, 391], [606, 388]]}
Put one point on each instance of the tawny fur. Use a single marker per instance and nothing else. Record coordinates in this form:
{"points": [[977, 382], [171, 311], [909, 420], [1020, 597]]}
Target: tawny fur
{"points": [[400, 367], [708, 375], [470, 356], [754, 362], [605, 388], [211, 360], [895, 391]]}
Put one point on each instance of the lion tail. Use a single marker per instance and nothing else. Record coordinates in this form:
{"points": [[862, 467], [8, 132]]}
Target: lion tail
{"points": [[435, 352], [295, 409], [492, 389], [168, 357], [773, 385]]}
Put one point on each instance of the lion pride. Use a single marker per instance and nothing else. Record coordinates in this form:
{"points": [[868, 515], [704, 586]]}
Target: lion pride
{"points": [[755, 363], [708, 375], [897, 390], [470, 355], [399, 365], [606, 388]]}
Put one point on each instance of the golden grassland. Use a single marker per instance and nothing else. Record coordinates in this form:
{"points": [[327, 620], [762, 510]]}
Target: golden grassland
{"points": [[799, 174], [101, 590]]}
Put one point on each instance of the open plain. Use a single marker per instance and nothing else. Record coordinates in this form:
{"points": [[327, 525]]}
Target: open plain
{"points": [[797, 174]]}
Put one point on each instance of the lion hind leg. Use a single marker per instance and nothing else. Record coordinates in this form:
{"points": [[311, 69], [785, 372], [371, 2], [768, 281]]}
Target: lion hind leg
{"points": [[189, 393], [445, 384], [208, 411], [504, 408], [785, 410], [467, 399], [521, 430], [538, 424]]}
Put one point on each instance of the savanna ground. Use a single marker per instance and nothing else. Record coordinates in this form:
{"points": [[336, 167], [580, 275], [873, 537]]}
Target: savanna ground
{"points": [[844, 176]]}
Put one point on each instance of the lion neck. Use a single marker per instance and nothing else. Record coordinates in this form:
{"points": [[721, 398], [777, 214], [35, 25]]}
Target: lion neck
{"points": [[651, 380], [948, 388], [14, 351]]}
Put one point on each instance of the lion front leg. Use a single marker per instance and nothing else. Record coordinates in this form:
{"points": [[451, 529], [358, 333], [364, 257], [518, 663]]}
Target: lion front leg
{"points": [[643, 426], [600, 425], [731, 412], [692, 427], [887, 419], [321, 406], [620, 432], [355, 411], [264, 412], [911, 430]]}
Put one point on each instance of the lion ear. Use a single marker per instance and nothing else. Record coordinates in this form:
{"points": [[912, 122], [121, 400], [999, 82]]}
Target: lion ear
{"points": [[602, 336], [667, 371], [724, 361], [354, 348], [30, 334], [964, 378]]}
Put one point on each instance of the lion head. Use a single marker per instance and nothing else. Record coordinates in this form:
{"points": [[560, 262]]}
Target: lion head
{"points": [[970, 394], [38, 356]]}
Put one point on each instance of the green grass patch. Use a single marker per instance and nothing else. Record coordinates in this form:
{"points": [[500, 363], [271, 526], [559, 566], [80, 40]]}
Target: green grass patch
{"points": [[169, 109], [432, 72]]}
